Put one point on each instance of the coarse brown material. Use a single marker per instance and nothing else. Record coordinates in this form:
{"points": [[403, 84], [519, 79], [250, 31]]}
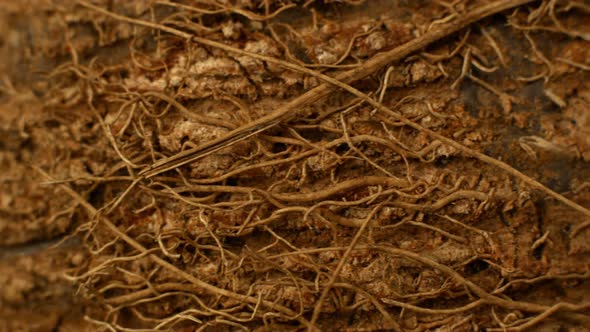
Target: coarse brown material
{"points": [[294, 165]]}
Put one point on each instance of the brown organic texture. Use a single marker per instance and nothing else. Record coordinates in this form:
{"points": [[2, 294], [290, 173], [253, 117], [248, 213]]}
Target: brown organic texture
{"points": [[294, 165]]}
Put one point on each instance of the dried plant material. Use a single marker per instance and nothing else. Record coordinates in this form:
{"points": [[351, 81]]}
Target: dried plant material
{"points": [[278, 165], [555, 98]]}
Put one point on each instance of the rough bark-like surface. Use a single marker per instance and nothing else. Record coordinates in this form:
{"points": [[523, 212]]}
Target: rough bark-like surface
{"points": [[343, 217]]}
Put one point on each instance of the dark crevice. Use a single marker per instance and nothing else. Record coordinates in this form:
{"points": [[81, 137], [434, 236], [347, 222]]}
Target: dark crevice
{"points": [[96, 196], [476, 266]]}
